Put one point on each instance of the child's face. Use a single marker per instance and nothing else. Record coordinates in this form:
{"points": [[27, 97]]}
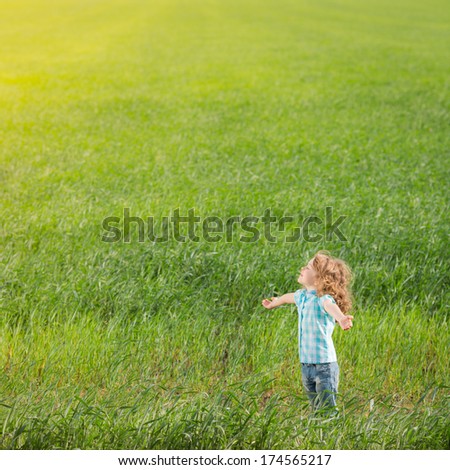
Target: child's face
{"points": [[307, 275]]}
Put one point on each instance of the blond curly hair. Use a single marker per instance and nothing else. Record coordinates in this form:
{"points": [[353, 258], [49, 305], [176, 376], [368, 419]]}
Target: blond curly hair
{"points": [[333, 276]]}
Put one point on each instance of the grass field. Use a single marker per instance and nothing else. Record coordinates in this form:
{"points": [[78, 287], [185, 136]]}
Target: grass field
{"points": [[229, 107]]}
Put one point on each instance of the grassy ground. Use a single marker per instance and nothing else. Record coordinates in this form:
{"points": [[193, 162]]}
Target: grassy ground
{"points": [[230, 107]]}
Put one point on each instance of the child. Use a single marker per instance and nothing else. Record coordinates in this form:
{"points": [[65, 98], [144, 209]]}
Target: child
{"points": [[324, 301]]}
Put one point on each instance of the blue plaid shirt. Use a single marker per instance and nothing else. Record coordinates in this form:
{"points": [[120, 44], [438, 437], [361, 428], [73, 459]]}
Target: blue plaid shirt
{"points": [[315, 328]]}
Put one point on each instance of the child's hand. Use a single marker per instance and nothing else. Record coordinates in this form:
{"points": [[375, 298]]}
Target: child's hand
{"points": [[346, 322], [270, 303]]}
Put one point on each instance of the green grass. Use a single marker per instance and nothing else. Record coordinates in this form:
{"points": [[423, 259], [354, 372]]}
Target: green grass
{"points": [[230, 107]]}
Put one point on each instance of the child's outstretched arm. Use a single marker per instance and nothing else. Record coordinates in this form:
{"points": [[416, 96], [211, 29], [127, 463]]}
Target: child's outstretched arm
{"points": [[345, 321], [277, 301]]}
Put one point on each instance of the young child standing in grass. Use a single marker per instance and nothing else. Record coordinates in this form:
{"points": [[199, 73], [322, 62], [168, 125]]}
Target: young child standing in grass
{"points": [[324, 300]]}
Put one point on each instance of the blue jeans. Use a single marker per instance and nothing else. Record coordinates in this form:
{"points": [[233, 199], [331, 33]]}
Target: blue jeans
{"points": [[321, 384]]}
